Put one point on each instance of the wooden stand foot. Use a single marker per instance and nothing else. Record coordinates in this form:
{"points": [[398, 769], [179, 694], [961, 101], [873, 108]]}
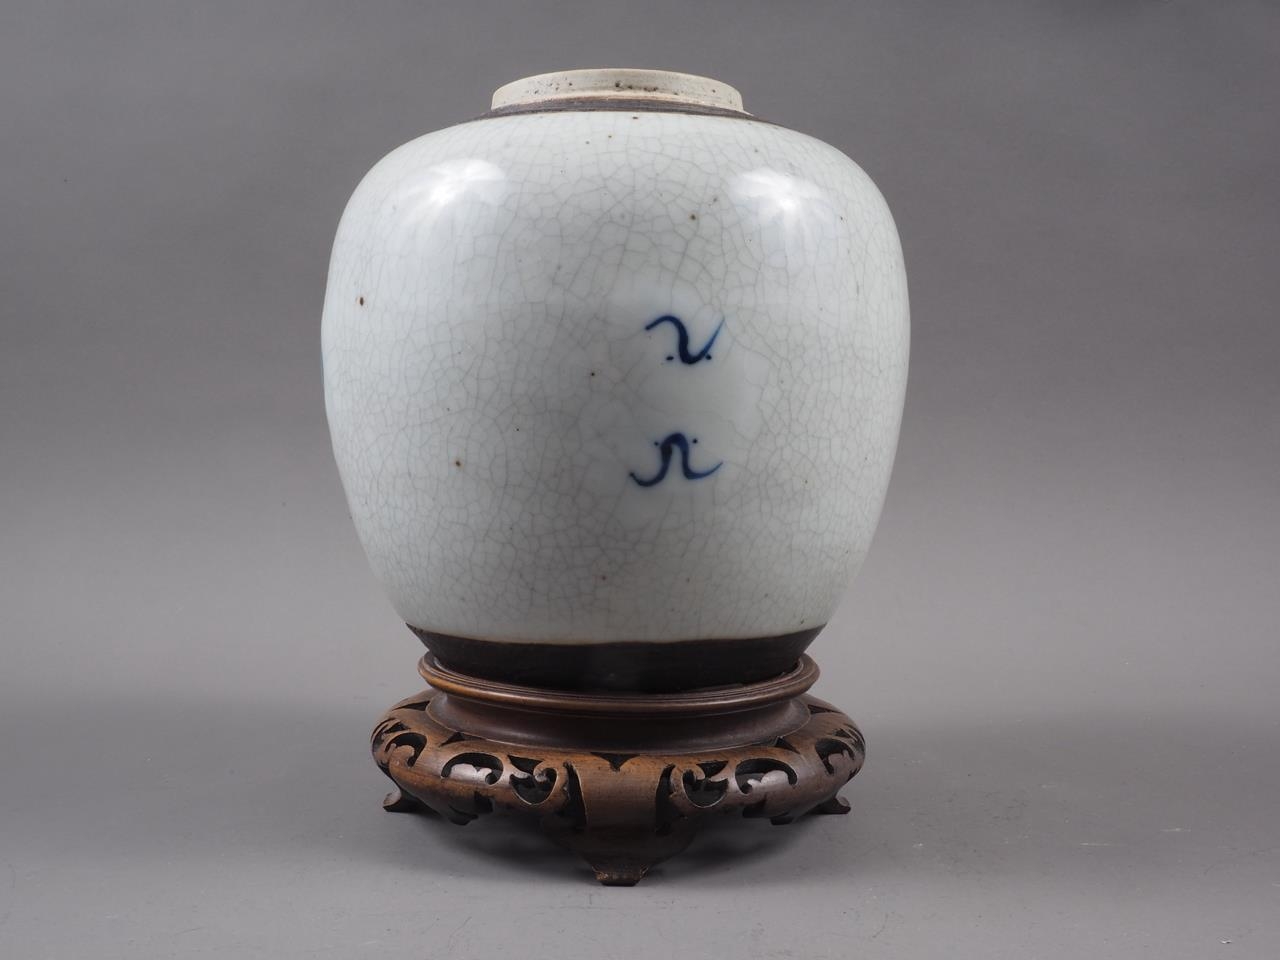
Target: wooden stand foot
{"points": [[624, 780]]}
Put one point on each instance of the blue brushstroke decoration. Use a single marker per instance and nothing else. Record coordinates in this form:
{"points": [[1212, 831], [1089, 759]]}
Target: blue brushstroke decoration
{"points": [[682, 340], [675, 441]]}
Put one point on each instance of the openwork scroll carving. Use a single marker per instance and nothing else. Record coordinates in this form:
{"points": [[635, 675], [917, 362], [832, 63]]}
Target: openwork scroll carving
{"points": [[622, 812]]}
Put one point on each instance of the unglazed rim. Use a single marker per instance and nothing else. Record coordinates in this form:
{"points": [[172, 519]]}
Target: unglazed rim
{"points": [[652, 666], [610, 84]]}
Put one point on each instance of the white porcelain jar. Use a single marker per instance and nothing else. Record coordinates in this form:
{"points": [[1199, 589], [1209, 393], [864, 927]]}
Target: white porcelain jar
{"points": [[614, 375]]}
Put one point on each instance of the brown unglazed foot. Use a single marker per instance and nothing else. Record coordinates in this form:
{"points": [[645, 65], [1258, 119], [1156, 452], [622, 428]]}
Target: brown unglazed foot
{"points": [[624, 780]]}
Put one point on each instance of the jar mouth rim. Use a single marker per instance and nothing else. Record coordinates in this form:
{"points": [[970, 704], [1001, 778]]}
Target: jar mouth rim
{"points": [[618, 83]]}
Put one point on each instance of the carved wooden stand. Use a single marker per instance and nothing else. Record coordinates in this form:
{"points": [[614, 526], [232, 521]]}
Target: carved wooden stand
{"points": [[624, 780]]}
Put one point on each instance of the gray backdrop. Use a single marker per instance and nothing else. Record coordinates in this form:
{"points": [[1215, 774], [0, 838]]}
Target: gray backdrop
{"points": [[1063, 648]]}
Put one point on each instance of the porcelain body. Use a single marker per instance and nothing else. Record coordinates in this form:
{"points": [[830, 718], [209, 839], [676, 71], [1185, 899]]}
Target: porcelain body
{"points": [[604, 375]]}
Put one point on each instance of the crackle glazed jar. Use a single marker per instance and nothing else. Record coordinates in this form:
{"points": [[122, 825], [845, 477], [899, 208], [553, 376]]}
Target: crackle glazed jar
{"points": [[614, 374]]}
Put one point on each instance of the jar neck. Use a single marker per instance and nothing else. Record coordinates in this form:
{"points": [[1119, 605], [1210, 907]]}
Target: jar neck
{"points": [[605, 85]]}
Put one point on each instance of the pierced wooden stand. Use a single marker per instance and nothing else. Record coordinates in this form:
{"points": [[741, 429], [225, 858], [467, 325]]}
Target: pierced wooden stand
{"points": [[624, 780]]}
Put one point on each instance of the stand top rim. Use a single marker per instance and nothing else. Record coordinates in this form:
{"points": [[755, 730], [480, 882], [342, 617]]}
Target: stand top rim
{"points": [[705, 701]]}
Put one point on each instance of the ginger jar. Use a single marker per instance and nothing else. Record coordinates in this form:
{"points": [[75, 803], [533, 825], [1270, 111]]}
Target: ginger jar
{"points": [[614, 374]]}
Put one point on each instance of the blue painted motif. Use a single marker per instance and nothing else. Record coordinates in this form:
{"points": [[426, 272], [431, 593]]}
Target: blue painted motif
{"points": [[682, 340], [670, 443]]}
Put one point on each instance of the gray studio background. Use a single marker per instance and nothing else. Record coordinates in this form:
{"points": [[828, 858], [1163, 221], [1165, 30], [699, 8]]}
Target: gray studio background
{"points": [[1063, 648]]}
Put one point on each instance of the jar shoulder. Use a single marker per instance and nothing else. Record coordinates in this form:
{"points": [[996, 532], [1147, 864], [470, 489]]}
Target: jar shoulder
{"points": [[527, 163]]}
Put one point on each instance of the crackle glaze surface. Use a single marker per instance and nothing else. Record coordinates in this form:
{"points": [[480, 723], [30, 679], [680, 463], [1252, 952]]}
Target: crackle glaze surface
{"points": [[601, 376]]}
